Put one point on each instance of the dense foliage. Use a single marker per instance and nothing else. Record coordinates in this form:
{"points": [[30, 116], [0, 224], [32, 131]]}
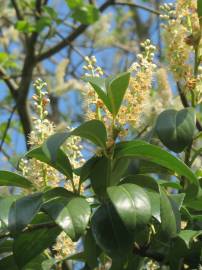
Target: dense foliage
{"points": [[100, 195]]}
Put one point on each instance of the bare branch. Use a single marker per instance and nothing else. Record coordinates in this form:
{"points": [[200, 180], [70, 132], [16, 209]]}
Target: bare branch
{"points": [[7, 127], [154, 11], [71, 37], [17, 10], [9, 82]]}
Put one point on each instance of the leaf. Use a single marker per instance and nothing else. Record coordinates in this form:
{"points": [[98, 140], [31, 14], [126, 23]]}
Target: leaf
{"points": [[62, 163], [116, 91], [91, 250], [13, 179], [5, 204], [111, 90], [109, 231], [22, 211], [170, 216], [28, 245], [84, 171], [199, 11], [176, 128], [86, 14], [71, 214], [100, 176], [8, 263], [157, 155], [152, 189], [132, 205], [100, 88], [188, 236], [93, 130], [74, 3]]}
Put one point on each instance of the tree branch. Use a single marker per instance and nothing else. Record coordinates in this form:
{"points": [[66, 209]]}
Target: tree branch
{"points": [[7, 127], [9, 82], [154, 11], [17, 10], [71, 37]]}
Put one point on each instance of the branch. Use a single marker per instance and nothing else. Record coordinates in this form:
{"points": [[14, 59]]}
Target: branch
{"points": [[185, 103], [71, 37], [7, 127], [9, 82], [17, 10], [154, 11]]}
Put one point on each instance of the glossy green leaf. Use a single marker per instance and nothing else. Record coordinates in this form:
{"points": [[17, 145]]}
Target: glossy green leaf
{"points": [[28, 245], [85, 170], [5, 204], [86, 14], [23, 210], [71, 214], [62, 163], [91, 250], [170, 216], [116, 91], [109, 231], [176, 129], [111, 90], [132, 204], [100, 88], [93, 130], [188, 236], [157, 155], [8, 263], [13, 179], [100, 175], [152, 189]]}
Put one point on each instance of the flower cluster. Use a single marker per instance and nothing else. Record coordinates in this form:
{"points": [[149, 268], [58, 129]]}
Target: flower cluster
{"points": [[182, 35], [139, 87]]}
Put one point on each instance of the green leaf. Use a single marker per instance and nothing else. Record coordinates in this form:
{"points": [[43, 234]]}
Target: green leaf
{"points": [[110, 233], [117, 87], [111, 90], [132, 204], [74, 3], [85, 170], [100, 88], [22, 211], [188, 236], [152, 189], [199, 11], [28, 245], [8, 263], [91, 250], [170, 216], [86, 14], [100, 175], [62, 163], [6, 245], [71, 214], [42, 23], [93, 130], [176, 129], [142, 149], [13, 179], [5, 204]]}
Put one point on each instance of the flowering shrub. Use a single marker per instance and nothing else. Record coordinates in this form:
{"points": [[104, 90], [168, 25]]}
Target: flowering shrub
{"points": [[136, 202]]}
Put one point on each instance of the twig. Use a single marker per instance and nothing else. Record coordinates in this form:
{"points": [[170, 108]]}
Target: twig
{"points": [[71, 37], [154, 11], [7, 127]]}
